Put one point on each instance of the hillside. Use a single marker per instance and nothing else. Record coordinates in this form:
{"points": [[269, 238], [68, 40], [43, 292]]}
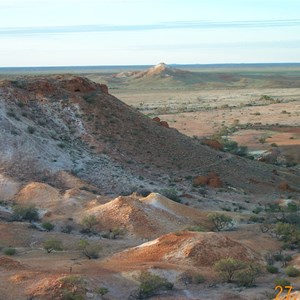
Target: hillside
{"points": [[69, 123]]}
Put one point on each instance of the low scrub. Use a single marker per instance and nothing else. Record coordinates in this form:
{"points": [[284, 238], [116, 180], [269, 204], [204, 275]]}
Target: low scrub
{"points": [[48, 226], [234, 270], [90, 251], [272, 269], [53, 245], [151, 284], [171, 194], [292, 271], [10, 251], [221, 221], [25, 213]]}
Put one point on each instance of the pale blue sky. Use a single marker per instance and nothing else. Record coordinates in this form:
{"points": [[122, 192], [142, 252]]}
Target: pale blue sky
{"points": [[125, 32]]}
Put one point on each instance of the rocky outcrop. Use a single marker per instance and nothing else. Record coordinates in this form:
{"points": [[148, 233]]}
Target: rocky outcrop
{"points": [[162, 123], [212, 180]]}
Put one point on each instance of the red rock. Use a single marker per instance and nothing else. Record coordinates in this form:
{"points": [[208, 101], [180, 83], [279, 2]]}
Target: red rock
{"points": [[212, 180], [213, 144], [78, 84], [200, 180], [215, 182], [104, 88], [284, 186], [156, 119], [164, 124]]}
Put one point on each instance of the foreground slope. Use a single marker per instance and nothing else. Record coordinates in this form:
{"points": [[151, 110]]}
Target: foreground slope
{"points": [[69, 123]]}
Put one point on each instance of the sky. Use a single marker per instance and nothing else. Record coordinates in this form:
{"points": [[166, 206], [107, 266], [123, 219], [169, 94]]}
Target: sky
{"points": [[147, 32]]}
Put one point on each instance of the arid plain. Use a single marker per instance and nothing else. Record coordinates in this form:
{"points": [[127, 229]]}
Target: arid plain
{"points": [[187, 188]]}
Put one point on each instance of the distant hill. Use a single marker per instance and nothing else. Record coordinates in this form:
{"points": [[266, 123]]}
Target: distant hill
{"points": [[163, 76], [160, 71]]}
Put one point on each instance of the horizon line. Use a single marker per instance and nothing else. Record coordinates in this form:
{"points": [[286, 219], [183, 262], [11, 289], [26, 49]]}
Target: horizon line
{"points": [[146, 65]]}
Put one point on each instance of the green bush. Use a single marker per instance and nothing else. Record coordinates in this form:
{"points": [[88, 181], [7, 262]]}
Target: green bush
{"points": [[88, 223], [115, 233], [221, 221], [72, 288], [90, 251], [197, 228], [257, 210], [228, 268], [69, 295], [292, 271], [198, 278], [48, 226], [234, 270], [245, 278], [288, 233], [102, 291], [170, 194], [26, 213], [10, 251], [30, 129], [272, 269], [256, 219], [278, 256], [281, 282], [152, 284], [53, 245]]}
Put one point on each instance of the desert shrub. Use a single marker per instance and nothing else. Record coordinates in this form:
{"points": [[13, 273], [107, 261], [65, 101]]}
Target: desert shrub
{"points": [[291, 271], [288, 233], [10, 251], [31, 129], [67, 229], [272, 269], [262, 140], [70, 295], [256, 219], [143, 192], [257, 210], [247, 276], [26, 213], [287, 258], [221, 221], [102, 291], [278, 256], [88, 222], [196, 228], [53, 245], [48, 226], [281, 281], [228, 268], [115, 232], [230, 146], [72, 288], [234, 270], [170, 194], [152, 284], [198, 278], [90, 251], [266, 97]]}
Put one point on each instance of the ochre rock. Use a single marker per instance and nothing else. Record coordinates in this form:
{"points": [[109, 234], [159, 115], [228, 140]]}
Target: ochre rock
{"points": [[164, 124], [156, 119], [213, 144], [200, 180]]}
